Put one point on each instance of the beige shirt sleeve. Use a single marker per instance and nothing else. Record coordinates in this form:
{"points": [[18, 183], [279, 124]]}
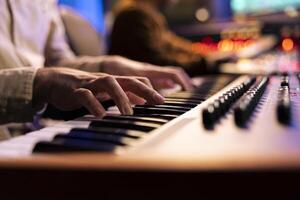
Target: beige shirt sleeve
{"points": [[16, 88]]}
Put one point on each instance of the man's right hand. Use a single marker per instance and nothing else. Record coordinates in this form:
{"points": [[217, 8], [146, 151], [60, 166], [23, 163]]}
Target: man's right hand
{"points": [[69, 89], [160, 77]]}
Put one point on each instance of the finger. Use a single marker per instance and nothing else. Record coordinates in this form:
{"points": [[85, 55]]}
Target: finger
{"points": [[135, 100], [144, 80], [175, 75], [140, 89], [180, 77], [112, 87], [86, 98], [159, 84], [186, 78], [103, 96]]}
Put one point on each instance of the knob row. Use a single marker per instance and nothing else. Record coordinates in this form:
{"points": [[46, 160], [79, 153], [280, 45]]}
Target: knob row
{"points": [[246, 105], [214, 111]]}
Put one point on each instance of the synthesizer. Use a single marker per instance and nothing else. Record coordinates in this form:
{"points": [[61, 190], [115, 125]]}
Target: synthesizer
{"points": [[225, 130], [115, 132], [245, 116]]}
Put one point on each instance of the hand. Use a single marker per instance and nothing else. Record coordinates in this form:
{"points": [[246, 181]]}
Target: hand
{"points": [[69, 89], [160, 77]]}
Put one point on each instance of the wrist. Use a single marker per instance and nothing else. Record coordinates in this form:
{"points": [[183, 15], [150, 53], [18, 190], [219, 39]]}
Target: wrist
{"points": [[109, 63], [40, 89], [105, 61]]}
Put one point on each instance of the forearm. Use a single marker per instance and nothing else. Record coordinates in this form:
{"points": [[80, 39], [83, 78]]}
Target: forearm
{"points": [[85, 63], [16, 91]]}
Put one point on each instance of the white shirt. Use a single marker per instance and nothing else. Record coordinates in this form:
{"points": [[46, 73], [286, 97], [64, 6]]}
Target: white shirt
{"points": [[31, 31], [31, 36]]}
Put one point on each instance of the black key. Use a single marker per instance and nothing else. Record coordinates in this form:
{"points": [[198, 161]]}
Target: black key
{"points": [[187, 96], [141, 126], [72, 145], [183, 100], [180, 103], [125, 117], [190, 94], [114, 131], [136, 118], [143, 110], [159, 116], [164, 106], [109, 138]]}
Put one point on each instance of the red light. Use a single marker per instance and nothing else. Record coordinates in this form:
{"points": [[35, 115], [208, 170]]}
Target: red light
{"points": [[208, 40]]}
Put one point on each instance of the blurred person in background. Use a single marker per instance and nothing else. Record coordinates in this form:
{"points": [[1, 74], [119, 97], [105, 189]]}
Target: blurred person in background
{"points": [[32, 35], [140, 32]]}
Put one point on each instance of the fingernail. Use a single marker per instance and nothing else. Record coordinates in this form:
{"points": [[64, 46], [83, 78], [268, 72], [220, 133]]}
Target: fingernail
{"points": [[130, 110], [158, 98], [127, 110], [100, 113]]}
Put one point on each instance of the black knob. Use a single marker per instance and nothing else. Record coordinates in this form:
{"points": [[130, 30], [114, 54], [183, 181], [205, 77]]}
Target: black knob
{"points": [[285, 81], [217, 107], [226, 102], [208, 117], [222, 105]]}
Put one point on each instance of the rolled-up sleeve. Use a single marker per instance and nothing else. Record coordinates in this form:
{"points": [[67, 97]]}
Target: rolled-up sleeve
{"points": [[16, 89]]}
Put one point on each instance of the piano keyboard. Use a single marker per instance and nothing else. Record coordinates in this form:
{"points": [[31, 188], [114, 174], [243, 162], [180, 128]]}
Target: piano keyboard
{"points": [[227, 119], [113, 133]]}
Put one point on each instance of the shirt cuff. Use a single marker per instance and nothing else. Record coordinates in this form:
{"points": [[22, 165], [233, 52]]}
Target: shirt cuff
{"points": [[16, 90]]}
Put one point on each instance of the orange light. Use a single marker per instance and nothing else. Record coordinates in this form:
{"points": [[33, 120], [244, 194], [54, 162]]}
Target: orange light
{"points": [[287, 44], [226, 45]]}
